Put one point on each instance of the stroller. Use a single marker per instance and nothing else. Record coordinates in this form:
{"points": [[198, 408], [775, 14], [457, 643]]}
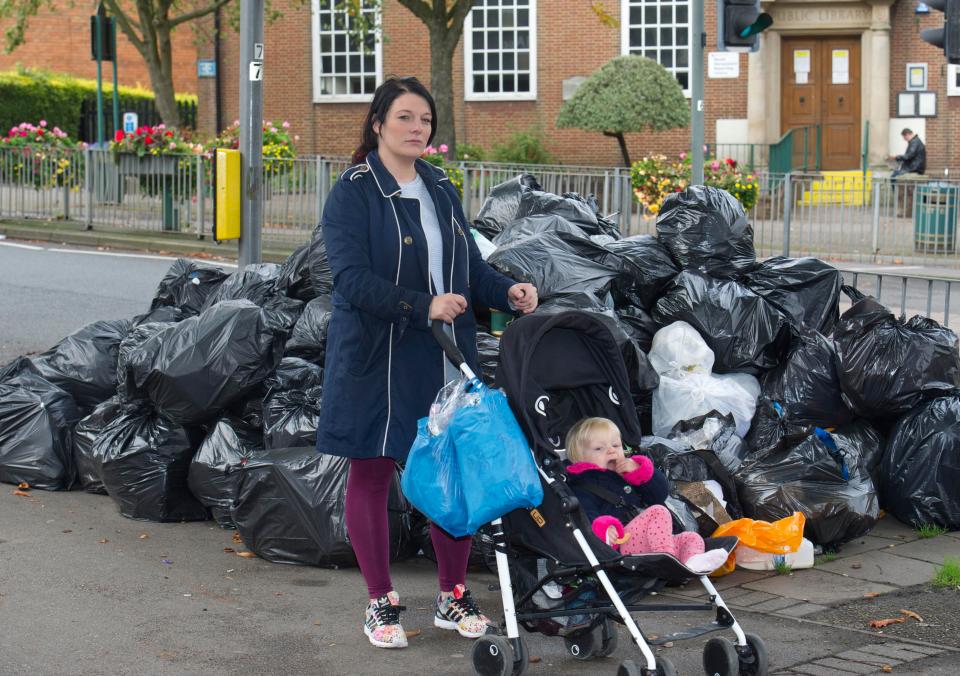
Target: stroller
{"points": [[555, 370]]}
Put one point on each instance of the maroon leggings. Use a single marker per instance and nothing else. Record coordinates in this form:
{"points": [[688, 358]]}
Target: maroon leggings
{"points": [[368, 488]]}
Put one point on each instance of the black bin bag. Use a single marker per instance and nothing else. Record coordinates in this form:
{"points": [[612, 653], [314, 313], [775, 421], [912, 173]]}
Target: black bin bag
{"points": [[255, 282], [36, 425], [806, 290], [290, 509], [746, 333], [214, 475], [145, 459], [802, 468], [321, 276], [85, 434], [706, 228], [806, 383], [888, 366], [293, 278], [291, 406], [570, 207], [648, 270], [196, 368], [920, 472], [308, 340], [502, 204], [488, 354], [84, 364], [186, 285], [126, 388]]}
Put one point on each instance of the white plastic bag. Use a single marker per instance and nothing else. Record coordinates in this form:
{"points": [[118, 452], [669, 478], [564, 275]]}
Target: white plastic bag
{"points": [[751, 559], [451, 397], [485, 245], [687, 387]]}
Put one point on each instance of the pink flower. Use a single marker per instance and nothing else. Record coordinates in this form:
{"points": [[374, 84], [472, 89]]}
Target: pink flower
{"points": [[161, 126], [714, 165], [296, 137], [172, 145], [286, 125], [683, 156], [43, 123], [444, 147]]}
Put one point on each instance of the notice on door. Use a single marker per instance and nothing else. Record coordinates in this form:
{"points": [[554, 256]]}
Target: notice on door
{"points": [[841, 66], [801, 65]]}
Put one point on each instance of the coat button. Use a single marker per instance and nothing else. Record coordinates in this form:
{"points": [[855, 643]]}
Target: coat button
{"points": [[627, 489], [408, 240]]}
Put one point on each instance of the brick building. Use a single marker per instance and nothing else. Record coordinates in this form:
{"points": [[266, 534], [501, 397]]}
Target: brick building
{"points": [[841, 65], [58, 39]]}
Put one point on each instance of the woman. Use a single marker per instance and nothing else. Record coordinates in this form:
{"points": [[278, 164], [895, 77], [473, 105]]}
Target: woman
{"points": [[402, 257]]}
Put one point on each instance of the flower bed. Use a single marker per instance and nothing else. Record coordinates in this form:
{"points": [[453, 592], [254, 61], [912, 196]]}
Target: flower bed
{"points": [[41, 157], [436, 157], [655, 177]]}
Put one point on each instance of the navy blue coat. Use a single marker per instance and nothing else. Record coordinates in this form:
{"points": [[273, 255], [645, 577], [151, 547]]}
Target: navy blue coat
{"points": [[631, 498], [383, 366]]}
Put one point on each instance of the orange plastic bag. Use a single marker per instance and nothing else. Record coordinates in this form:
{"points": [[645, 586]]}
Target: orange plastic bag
{"points": [[780, 537]]}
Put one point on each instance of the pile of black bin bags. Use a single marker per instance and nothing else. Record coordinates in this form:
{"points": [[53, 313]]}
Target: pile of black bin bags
{"points": [[207, 404]]}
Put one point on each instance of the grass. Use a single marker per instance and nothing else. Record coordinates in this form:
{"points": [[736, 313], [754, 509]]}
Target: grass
{"points": [[826, 557], [948, 575], [930, 530], [782, 567]]}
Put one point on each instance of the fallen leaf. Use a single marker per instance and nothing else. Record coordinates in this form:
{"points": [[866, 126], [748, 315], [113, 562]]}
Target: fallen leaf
{"points": [[910, 613], [412, 632], [856, 566], [66, 530], [534, 659], [278, 593], [21, 493], [317, 622], [871, 595], [236, 538], [104, 541], [23, 486], [230, 550], [880, 624], [887, 669], [247, 555], [144, 536]]}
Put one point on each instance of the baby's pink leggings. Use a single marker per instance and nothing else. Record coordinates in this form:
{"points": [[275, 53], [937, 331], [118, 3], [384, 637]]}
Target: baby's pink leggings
{"points": [[652, 531]]}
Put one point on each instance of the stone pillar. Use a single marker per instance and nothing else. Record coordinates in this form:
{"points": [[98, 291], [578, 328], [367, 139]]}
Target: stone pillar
{"points": [[878, 81], [757, 94]]}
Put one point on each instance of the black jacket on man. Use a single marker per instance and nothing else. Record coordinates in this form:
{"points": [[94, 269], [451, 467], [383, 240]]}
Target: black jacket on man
{"points": [[914, 159]]}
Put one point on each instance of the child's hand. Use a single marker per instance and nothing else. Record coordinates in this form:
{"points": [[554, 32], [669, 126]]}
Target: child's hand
{"points": [[626, 465]]}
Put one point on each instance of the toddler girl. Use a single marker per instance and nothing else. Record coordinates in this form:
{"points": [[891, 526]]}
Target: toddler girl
{"points": [[612, 488]]}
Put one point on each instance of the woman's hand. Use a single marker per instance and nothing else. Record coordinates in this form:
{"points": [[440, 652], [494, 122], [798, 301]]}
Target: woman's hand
{"points": [[447, 307], [524, 297]]}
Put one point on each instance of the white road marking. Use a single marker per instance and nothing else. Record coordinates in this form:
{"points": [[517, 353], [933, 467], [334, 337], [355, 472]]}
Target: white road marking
{"points": [[22, 246], [154, 257]]}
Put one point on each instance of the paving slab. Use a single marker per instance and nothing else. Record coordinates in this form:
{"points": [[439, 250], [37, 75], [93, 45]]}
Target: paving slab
{"points": [[899, 651], [845, 666], [813, 670], [934, 550], [889, 527], [802, 610], [818, 586], [868, 543], [774, 604], [885, 567], [914, 647], [868, 657], [751, 599]]}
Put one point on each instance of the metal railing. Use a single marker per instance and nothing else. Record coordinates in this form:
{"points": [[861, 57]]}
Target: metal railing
{"points": [[753, 156], [797, 150]]}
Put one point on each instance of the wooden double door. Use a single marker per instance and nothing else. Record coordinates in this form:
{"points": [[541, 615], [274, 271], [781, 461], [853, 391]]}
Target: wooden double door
{"points": [[820, 85]]}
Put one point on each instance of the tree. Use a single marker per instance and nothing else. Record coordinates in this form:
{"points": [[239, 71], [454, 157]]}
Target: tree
{"points": [[148, 24], [627, 94]]}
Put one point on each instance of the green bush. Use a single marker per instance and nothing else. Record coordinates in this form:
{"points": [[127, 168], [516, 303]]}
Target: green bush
{"points": [[523, 147], [28, 94], [468, 152]]}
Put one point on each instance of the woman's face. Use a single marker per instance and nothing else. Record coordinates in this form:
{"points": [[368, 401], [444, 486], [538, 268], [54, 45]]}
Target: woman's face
{"points": [[406, 130], [603, 448]]}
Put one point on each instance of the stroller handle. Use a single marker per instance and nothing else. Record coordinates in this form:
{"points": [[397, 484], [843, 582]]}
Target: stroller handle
{"points": [[449, 347]]}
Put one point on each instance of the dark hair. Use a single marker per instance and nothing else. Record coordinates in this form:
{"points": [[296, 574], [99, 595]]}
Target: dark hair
{"points": [[383, 98], [906, 130]]}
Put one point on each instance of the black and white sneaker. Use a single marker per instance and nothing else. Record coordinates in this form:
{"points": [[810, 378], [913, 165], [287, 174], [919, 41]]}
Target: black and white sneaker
{"points": [[381, 622], [460, 612]]}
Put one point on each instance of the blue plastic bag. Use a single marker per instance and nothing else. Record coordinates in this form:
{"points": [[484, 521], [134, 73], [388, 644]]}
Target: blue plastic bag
{"points": [[475, 469]]}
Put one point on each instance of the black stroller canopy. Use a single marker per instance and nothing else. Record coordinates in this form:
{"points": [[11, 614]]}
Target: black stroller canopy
{"points": [[559, 368]]}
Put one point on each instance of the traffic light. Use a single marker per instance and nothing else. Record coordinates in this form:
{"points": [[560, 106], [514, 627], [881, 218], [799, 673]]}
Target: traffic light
{"points": [[739, 24], [948, 37]]}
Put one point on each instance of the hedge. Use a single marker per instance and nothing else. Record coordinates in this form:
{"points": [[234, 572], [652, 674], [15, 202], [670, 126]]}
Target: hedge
{"points": [[29, 95]]}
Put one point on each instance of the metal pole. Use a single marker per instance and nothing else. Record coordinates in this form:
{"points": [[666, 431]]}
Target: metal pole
{"points": [[88, 187], [787, 212], [699, 40], [116, 95], [251, 130], [99, 38]]}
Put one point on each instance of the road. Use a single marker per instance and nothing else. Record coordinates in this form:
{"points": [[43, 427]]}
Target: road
{"points": [[85, 591]]}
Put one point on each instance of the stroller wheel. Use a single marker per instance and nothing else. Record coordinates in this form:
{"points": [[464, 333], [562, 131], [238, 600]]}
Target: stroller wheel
{"points": [[753, 658], [609, 638], [493, 656], [630, 668], [584, 646], [720, 658]]}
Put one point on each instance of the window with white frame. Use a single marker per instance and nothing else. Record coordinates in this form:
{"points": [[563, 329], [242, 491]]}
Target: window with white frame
{"points": [[658, 30], [500, 52], [345, 67]]}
